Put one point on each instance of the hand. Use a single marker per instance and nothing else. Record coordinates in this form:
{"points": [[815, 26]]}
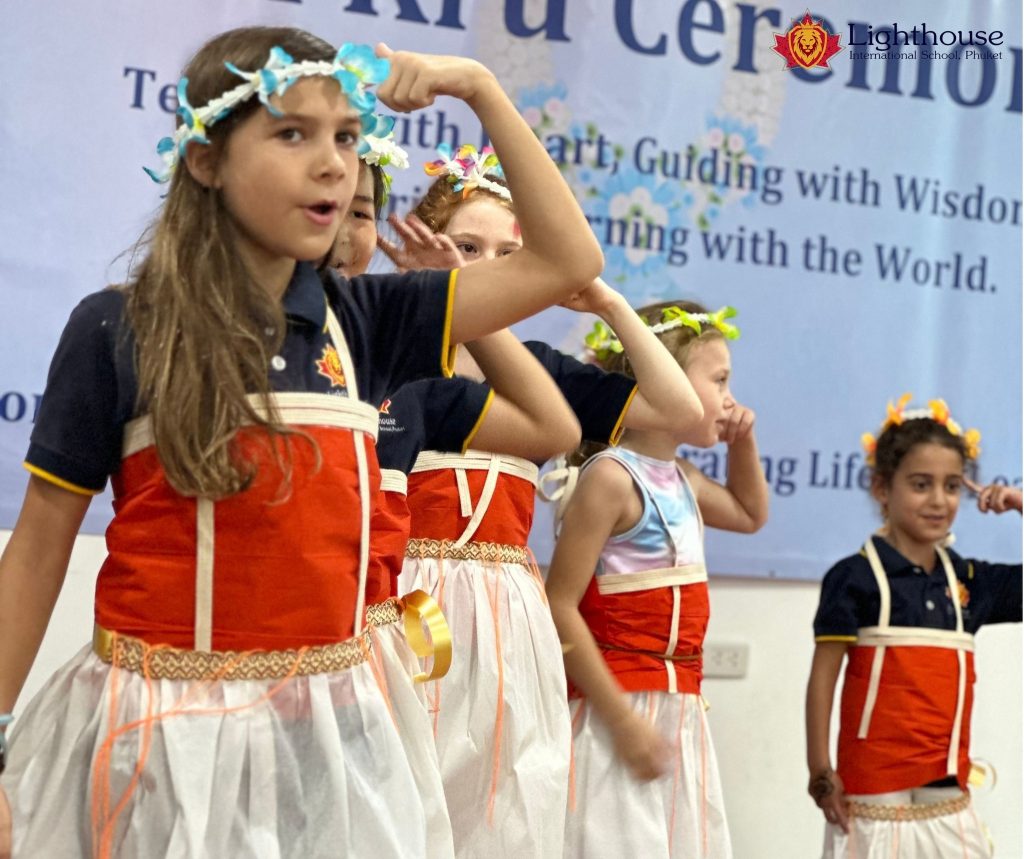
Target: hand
{"points": [[5, 826], [826, 789], [597, 298], [417, 79], [641, 747], [996, 498], [421, 248], [739, 425]]}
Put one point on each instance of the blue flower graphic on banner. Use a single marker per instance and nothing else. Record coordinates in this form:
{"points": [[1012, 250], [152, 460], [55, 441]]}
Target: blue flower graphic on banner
{"points": [[635, 217], [735, 151], [544, 107]]}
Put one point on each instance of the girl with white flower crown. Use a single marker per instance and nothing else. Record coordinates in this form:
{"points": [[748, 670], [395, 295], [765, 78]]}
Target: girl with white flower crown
{"points": [[628, 592], [501, 716], [232, 702], [903, 613]]}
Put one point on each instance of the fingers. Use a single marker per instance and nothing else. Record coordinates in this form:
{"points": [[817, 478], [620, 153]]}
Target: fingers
{"points": [[392, 252], [448, 247], [976, 488], [382, 50]]}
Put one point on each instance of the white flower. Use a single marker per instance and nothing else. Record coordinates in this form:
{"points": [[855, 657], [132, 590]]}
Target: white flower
{"points": [[533, 117], [554, 108], [384, 149], [714, 138], [735, 143]]}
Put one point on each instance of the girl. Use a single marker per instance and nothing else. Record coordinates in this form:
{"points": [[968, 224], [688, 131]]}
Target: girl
{"points": [[231, 704], [903, 612], [628, 592], [501, 718]]}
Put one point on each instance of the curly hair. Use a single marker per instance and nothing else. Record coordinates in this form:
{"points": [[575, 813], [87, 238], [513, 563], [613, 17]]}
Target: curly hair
{"points": [[438, 205], [898, 440]]}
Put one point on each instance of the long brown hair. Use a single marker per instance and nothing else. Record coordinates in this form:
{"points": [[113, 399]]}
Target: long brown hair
{"points": [[204, 329]]}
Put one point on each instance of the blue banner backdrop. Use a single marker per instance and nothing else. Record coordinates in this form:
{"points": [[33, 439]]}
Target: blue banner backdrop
{"points": [[864, 218]]}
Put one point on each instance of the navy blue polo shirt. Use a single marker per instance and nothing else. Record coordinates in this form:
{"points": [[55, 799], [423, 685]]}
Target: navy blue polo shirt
{"points": [[396, 326], [431, 414], [989, 593], [599, 399]]}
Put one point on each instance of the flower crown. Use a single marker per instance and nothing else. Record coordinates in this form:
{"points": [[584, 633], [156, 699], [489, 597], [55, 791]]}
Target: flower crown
{"points": [[937, 411], [602, 342], [469, 169], [355, 67], [377, 147]]}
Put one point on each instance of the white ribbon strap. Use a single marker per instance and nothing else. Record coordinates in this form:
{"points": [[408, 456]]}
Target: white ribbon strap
{"points": [[885, 600], [393, 480], [475, 460], [961, 661], [563, 479], [203, 623], [645, 580], [486, 494]]}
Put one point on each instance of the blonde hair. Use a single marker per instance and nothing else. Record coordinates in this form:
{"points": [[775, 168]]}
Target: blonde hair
{"points": [[204, 329], [679, 342], [439, 204]]}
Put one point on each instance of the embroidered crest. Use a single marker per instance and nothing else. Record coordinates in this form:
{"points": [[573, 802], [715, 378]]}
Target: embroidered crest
{"points": [[963, 594], [329, 366]]}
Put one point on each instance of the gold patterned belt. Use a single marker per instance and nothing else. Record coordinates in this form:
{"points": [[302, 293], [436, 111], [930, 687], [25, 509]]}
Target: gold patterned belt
{"points": [[171, 663], [498, 553], [416, 609], [917, 811]]}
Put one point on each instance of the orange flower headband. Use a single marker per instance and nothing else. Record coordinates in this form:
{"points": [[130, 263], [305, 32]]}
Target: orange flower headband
{"points": [[937, 411]]}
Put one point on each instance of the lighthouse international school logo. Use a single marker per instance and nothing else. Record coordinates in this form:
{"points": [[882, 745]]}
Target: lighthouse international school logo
{"points": [[807, 45]]}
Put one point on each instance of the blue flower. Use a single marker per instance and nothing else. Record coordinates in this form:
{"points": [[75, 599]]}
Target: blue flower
{"points": [[363, 63], [649, 208]]}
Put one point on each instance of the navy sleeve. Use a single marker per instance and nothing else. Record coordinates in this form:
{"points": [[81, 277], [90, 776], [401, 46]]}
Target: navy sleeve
{"points": [[599, 398], [838, 615], [76, 440], [398, 327], [454, 409], [995, 592]]}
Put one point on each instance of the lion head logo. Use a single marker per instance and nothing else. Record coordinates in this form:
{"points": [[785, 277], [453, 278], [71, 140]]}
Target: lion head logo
{"points": [[329, 366], [807, 44]]}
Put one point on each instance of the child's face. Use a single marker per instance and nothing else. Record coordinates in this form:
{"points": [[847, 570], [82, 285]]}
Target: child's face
{"points": [[357, 238], [709, 368], [482, 228], [287, 180], [923, 496]]}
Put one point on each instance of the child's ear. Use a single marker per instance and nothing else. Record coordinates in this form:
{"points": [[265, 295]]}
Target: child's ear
{"points": [[879, 489], [201, 161]]}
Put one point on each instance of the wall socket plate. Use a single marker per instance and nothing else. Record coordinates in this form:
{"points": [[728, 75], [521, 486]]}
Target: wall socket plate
{"points": [[726, 658]]}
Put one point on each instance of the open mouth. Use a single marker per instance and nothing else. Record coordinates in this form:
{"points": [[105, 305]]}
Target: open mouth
{"points": [[322, 213]]}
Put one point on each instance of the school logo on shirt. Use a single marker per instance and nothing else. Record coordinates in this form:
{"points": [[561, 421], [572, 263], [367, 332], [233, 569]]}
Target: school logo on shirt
{"points": [[963, 594], [385, 407], [807, 44], [329, 366]]}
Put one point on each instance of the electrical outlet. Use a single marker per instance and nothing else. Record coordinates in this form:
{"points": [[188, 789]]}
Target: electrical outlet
{"points": [[726, 659]]}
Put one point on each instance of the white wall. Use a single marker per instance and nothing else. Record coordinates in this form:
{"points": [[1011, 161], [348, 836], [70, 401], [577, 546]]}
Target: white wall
{"points": [[756, 721]]}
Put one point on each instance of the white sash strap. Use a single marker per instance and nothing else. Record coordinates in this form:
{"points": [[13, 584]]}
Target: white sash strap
{"points": [[914, 636], [474, 460], [486, 494], [203, 627], [885, 635], [393, 480], [645, 580], [293, 408], [563, 479]]}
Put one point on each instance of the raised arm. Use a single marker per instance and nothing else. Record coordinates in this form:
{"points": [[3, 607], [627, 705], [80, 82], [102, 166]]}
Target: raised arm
{"points": [[528, 416], [825, 786], [742, 503], [560, 254], [665, 399], [604, 503]]}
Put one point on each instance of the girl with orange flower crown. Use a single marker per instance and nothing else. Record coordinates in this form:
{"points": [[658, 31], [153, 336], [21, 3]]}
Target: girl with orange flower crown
{"points": [[501, 715], [903, 613], [233, 701]]}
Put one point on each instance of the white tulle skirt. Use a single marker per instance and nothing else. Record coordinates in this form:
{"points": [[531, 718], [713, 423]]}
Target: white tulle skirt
{"points": [[105, 763], [501, 715], [957, 834], [680, 815]]}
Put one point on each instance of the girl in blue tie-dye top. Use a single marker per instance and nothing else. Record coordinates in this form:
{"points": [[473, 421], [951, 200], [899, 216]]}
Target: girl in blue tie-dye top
{"points": [[628, 591]]}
